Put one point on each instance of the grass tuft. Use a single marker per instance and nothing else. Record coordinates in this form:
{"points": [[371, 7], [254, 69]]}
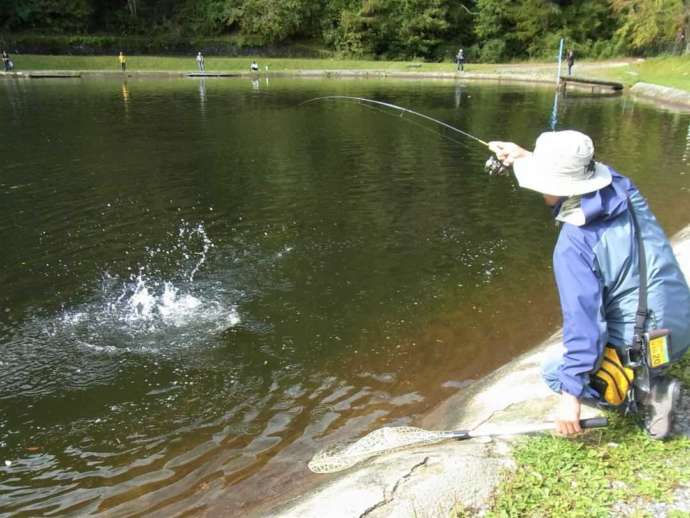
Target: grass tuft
{"points": [[681, 371], [588, 475]]}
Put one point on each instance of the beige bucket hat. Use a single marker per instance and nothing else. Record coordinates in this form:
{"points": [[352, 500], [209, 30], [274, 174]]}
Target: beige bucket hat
{"points": [[562, 165]]}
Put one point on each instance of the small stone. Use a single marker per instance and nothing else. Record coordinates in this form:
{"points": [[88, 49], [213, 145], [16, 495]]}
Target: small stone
{"points": [[8, 463]]}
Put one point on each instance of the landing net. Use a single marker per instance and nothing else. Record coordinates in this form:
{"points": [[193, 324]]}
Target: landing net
{"points": [[384, 440]]}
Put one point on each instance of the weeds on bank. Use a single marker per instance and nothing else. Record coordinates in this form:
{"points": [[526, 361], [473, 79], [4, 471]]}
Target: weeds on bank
{"points": [[681, 371], [586, 476]]}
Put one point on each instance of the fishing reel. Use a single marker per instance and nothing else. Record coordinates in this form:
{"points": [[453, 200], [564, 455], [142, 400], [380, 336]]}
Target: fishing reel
{"points": [[494, 167]]}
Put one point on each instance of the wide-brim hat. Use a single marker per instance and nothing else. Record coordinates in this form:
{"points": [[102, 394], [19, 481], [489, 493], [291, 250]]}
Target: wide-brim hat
{"points": [[562, 164]]}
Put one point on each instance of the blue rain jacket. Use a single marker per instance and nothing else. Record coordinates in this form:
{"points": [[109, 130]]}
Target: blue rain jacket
{"points": [[597, 272]]}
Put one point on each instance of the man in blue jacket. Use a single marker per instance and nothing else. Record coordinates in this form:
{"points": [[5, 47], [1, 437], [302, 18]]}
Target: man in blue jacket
{"points": [[596, 265]]}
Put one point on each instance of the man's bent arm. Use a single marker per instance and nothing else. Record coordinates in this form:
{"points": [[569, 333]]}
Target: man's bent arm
{"points": [[581, 295]]}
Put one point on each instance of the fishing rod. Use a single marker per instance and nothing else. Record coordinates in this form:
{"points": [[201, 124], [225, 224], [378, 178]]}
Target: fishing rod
{"points": [[399, 108], [419, 125], [493, 165]]}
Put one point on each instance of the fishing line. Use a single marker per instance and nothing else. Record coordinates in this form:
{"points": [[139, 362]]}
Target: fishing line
{"points": [[399, 108]]}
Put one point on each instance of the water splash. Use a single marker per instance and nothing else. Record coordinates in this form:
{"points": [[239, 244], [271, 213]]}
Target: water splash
{"points": [[152, 310], [206, 246]]}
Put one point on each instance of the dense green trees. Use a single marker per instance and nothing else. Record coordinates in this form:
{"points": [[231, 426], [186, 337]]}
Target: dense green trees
{"points": [[489, 30]]}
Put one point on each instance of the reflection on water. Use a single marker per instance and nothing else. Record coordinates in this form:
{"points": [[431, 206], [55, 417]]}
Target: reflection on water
{"points": [[458, 95], [125, 93], [205, 288], [202, 94], [554, 112]]}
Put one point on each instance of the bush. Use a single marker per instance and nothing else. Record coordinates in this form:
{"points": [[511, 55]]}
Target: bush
{"points": [[603, 50], [493, 51], [165, 44]]}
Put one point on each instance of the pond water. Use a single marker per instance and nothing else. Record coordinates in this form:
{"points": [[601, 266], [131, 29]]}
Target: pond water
{"points": [[204, 282]]}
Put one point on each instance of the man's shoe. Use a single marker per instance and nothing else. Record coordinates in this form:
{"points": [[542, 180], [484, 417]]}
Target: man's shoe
{"points": [[659, 407]]}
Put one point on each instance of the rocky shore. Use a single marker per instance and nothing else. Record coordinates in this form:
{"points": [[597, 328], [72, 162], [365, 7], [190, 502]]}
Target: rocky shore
{"points": [[434, 480]]}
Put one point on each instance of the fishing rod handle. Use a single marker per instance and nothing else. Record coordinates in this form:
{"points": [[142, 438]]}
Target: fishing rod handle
{"points": [[594, 422]]}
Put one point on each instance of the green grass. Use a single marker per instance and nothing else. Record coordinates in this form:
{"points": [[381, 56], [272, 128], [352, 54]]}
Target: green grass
{"points": [[221, 64], [666, 71], [586, 476], [681, 370]]}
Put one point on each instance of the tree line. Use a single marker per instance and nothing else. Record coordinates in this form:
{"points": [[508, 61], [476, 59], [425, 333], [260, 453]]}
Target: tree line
{"points": [[488, 30]]}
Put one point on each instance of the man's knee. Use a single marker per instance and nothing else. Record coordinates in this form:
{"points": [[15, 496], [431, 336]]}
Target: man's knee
{"points": [[549, 372]]}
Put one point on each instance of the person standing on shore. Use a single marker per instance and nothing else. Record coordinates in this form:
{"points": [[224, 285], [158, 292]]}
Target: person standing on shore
{"points": [[254, 67], [7, 62], [571, 60], [122, 59], [460, 58], [200, 62], [680, 42], [624, 299]]}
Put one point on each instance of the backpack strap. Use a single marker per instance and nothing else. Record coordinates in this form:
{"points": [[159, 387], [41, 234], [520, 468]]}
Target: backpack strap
{"points": [[642, 310], [635, 356]]}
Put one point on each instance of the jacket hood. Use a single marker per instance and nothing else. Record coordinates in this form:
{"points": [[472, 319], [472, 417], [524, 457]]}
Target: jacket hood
{"points": [[604, 204]]}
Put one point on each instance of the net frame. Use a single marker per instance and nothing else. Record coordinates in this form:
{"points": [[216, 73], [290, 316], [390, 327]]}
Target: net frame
{"points": [[379, 442]]}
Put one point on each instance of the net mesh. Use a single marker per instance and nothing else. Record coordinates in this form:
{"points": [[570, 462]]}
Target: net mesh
{"points": [[384, 440]]}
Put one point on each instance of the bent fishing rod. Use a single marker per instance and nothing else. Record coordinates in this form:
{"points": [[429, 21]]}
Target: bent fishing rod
{"points": [[493, 165]]}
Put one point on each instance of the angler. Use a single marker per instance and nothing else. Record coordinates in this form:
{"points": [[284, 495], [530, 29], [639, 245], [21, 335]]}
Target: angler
{"points": [[625, 302]]}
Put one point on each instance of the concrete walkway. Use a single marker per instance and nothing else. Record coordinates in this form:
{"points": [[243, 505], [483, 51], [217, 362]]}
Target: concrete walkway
{"points": [[433, 480], [671, 97]]}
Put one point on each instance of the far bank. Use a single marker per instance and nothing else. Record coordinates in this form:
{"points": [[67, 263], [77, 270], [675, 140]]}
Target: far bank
{"points": [[662, 80]]}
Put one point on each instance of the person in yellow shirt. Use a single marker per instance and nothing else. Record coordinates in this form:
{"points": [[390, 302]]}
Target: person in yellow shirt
{"points": [[123, 60]]}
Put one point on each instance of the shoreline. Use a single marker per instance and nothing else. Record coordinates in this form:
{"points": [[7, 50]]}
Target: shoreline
{"points": [[438, 479], [663, 96]]}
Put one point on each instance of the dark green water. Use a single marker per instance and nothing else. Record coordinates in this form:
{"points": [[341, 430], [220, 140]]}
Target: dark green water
{"points": [[202, 283]]}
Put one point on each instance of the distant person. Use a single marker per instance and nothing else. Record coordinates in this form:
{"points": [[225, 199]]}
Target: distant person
{"points": [[680, 39], [7, 62], [200, 62], [571, 61], [460, 59], [254, 67], [123, 60]]}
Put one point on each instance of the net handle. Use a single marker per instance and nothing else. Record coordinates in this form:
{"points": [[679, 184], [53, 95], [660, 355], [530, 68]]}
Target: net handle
{"points": [[592, 422]]}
